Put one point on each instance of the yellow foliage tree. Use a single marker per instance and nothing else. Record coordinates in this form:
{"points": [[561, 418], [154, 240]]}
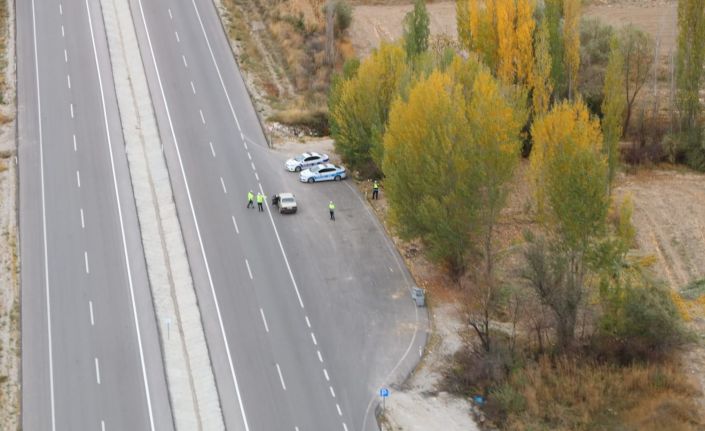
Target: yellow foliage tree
{"points": [[361, 107], [571, 40], [566, 129], [525, 26], [541, 82], [506, 40]]}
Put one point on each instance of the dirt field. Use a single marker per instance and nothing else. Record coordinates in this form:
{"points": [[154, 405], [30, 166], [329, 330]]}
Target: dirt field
{"points": [[669, 215], [373, 24]]}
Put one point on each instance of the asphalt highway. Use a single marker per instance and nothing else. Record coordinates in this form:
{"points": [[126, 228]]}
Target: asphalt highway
{"points": [[90, 350], [304, 319]]}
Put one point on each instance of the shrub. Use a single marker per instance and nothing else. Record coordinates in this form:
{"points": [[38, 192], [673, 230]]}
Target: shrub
{"points": [[343, 16], [642, 325]]}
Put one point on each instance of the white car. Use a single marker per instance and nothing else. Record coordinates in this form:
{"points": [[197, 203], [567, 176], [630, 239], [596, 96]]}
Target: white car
{"points": [[305, 160], [324, 172]]}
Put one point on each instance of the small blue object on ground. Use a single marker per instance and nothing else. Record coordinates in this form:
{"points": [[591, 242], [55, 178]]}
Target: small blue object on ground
{"points": [[479, 400], [384, 392]]}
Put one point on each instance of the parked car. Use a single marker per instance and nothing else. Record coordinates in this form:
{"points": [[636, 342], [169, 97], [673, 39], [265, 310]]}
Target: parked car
{"points": [[324, 172], [305, 160], [286, 202]]}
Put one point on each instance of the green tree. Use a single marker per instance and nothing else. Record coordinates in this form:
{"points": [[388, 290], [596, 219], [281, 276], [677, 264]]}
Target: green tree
{"points": [[571, 43], [613, 106], [689, 68], [430, 177], [571, 182], [553, 12], [416, 30], [359, 108]]}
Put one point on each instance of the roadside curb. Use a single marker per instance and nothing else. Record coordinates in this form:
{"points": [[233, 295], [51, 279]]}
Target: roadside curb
{"points": [[194, 399]]}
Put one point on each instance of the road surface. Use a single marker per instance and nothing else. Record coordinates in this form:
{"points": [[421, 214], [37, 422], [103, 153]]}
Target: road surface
{"points": [[304, 319], [90, 352]]}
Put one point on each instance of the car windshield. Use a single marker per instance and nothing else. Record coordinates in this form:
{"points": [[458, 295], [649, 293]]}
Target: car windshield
{"points": [[299, 158], [288, 200]]}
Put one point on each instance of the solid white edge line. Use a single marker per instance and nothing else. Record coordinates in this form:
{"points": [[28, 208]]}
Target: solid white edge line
{"points": [[264, 320], [195, 220], [90, 308], [232, 110], [397, 260], [281, 377], [44, 224], [122, 226], [97, 371], [248, 268]]}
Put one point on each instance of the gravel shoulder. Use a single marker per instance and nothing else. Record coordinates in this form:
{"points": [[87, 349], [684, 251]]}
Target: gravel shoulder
{"points": [[9, 261]]}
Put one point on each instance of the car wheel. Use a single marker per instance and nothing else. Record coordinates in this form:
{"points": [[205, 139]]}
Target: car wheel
{"points": [[310, 180], [337, 178], [297, 169]]}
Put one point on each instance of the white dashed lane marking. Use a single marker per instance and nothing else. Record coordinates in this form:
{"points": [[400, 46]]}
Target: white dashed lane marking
{"points": [[68, 81], [90, 308], [177, 36], [248, 269], [71, 108], [63, 33], [61, 9], [97, 371], [325, 373], [212, 150], [235, 224], [264, 320], [66, 56], [85, 260], [332, 392], [74, 143], [78, 179], [313, 337], [170, 15], [203, 120], [256, 176], [340, 412], [222, 183], [193, 88], [183, 57], [83, 222], [308, 322], [281, 377]]}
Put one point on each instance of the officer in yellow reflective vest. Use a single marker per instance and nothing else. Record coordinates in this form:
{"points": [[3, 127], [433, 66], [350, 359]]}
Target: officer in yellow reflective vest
{"points": [[331, 208]]}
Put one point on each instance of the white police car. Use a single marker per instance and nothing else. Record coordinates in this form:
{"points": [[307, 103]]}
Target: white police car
{"points": [[305, 160], [323, 172]]}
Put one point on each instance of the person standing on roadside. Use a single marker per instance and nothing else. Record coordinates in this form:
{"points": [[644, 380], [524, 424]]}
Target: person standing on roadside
{"points": [[260, 201], [375, 190], [331, 209], [250, 199]]}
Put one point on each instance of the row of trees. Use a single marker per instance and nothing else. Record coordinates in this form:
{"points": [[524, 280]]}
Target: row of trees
{"points": [[447, 132]]}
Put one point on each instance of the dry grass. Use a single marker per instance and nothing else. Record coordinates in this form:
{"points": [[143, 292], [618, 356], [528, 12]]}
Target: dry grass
{"points": [[569, 394]]}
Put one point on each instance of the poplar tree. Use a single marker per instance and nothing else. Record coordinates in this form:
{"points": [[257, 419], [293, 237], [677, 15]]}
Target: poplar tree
{"points": [[613, 106]]}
